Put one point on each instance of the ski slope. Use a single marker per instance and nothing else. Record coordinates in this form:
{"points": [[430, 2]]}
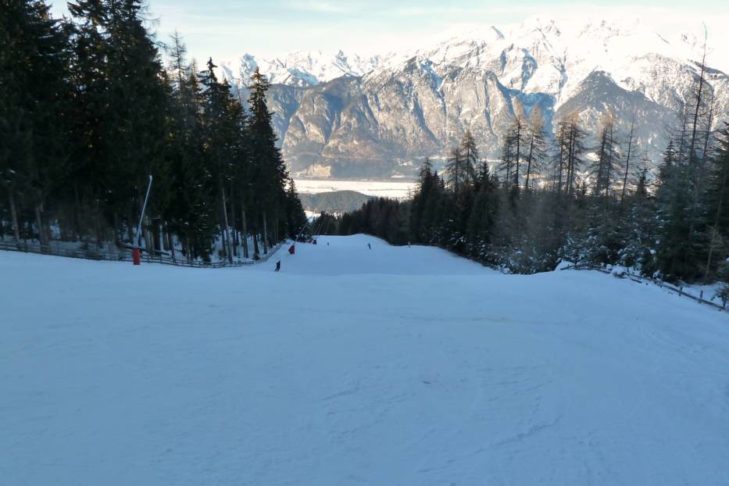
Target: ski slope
{"points": [[389, 366]]}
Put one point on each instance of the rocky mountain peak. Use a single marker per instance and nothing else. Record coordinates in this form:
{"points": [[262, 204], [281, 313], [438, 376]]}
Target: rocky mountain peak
{"points": [[352, 116]]}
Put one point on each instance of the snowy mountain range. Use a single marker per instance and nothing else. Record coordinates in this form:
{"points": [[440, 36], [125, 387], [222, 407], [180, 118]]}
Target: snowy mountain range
{"points": [[342, 115], [301, 69]]}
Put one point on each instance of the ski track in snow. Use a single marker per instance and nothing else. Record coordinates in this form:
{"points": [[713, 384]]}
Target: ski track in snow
{"points": [[390, 366]]}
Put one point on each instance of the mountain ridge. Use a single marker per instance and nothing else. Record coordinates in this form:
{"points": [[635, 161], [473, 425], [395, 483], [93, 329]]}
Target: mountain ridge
{"points": [[379, 116]]}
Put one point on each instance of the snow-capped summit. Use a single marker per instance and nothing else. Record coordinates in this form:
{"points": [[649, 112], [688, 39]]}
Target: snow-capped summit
{"points": [[303, 69], [352, 116]]}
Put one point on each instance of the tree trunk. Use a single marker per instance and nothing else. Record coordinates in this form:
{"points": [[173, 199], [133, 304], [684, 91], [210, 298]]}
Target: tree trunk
{"points": [[699, 98], [245, 229], [76, 209], [717, 217], [609, 164], [256, 251], [529, 163], [265, 234], [149, 241], [627, 162], [170, 243], [233, 225], [571, 162], [14, 216], [135, 239], [226, 228], [561, 168], [156, 238], [41, 232], [518, 154]]}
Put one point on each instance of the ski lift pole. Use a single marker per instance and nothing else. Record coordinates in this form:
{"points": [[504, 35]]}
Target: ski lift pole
{"points": [[136, 251]]}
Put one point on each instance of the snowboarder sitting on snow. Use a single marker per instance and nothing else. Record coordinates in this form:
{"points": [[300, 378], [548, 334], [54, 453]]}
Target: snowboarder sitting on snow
{"points": [[278, 266]]}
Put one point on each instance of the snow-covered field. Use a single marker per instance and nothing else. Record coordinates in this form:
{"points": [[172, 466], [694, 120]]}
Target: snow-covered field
{"points": [[390, 366], [393, 189]]}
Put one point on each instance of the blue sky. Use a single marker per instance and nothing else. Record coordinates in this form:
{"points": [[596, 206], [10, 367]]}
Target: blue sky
{"points": [[226, 28]]}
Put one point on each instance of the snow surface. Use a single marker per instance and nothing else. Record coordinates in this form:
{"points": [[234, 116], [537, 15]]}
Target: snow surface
{"points": [[389, 366]]}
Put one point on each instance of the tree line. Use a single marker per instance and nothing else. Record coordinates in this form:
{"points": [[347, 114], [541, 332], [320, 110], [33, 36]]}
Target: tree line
{"points": [[88, 111], [557, 198]]}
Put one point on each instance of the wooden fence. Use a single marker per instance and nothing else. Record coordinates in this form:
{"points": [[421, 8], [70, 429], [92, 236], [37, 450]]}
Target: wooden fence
{"points": [[660, 283], [116, 254]]}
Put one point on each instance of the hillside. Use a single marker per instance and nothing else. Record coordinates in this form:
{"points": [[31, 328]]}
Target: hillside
{"points": [[334, 201], [376, 366]]}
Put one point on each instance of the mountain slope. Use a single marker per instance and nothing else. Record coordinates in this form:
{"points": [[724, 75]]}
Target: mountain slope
{"points": [[390, 365]]}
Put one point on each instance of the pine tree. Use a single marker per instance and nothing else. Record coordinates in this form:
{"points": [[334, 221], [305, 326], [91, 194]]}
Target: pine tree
{"points": [[638, 228], [220, 133], [606, 164], [569, 155], [676, 251], [461, 165], [537, 148], [190, 208], [90, 116], [295, 216], [268, 172], [513, 147], [574, 154], [33, 108], [508, 160], [482, 215], [630, 151], [420, 200], [136, 108], [717, 199]]}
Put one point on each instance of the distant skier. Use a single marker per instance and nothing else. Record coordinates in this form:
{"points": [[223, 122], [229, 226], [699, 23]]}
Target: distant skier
{"points": [[369, 246], [278, 266], [292, 249]]}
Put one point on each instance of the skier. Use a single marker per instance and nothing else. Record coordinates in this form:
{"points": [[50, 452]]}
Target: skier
{"points": [[292, 249], [369, 246], [278, 266]]}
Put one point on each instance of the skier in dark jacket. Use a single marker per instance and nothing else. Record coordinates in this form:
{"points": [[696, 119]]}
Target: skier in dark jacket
{"points": [[278, 266]]}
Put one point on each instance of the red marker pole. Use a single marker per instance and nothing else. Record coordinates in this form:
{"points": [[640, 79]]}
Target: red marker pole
{"points": [[137, 251]]}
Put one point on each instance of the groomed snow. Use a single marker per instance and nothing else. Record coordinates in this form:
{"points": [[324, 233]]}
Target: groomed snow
{"points": [[389, 366]]}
